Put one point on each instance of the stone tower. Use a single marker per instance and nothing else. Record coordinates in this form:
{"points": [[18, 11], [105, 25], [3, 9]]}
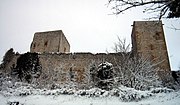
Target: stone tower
{"points": [[51, 41], [148, 41]]}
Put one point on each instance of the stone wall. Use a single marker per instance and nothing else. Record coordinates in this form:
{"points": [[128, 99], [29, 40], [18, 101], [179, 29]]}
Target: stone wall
{"points": [[71, 68], [66, 69]]}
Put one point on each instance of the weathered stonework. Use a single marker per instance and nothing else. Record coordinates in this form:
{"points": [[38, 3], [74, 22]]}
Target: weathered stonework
{"points": [[57, 68], [51, 41], [148, 41]]}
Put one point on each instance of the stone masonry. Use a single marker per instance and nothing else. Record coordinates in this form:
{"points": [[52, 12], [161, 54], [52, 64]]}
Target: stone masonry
{"points": [[71, 68], [51, 41], [148, 41]]}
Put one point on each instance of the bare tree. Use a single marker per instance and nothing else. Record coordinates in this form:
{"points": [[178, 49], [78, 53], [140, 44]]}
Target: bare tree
{"points": [[134, 71], [163, 8], [121, 46]]}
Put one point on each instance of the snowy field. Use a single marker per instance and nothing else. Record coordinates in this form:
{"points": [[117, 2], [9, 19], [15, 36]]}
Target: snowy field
{"points": [[172, 98], [27, 95]]}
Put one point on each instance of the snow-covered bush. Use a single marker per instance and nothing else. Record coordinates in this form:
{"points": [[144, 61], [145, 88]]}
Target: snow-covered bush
{"points": [[94, 92], [131, 94], [134, 71], [14, 103], [103, 75], [9, 88], [161, 90]]}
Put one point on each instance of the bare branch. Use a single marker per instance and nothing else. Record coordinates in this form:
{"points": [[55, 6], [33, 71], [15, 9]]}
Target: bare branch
{"points": [[132, 71], [159, 6], [175, 28], [122, 46]]}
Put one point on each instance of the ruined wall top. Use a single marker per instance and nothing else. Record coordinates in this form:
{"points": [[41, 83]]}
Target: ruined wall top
{"points": [[50, 41]]}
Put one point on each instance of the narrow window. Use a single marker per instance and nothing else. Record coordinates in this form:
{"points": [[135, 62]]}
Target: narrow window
{"points": [[64, 49], [157, 36], [34, 45], [151, 47], [45, 44], [71, 74]]}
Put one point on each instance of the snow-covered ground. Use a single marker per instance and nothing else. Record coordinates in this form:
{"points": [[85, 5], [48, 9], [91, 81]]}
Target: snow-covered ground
{"points": [[18, 93], [172, 98], [24, 94]]}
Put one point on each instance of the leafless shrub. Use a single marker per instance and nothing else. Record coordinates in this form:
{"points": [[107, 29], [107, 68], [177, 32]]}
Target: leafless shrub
{"points": [[134, 71]]}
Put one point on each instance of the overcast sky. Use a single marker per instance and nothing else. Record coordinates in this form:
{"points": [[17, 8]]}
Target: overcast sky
{"points": [[86, 24]]}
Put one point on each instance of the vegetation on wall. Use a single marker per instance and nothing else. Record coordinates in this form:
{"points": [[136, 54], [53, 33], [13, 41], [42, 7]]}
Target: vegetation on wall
{"points": [[162, 8], [28, 67], [7, 57]]}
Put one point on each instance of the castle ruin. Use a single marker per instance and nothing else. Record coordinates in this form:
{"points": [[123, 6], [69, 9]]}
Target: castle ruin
{"points": [[147, 40]]}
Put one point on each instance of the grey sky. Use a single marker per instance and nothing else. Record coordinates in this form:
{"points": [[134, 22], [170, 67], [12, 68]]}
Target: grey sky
{"points": [[86, 24]]}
